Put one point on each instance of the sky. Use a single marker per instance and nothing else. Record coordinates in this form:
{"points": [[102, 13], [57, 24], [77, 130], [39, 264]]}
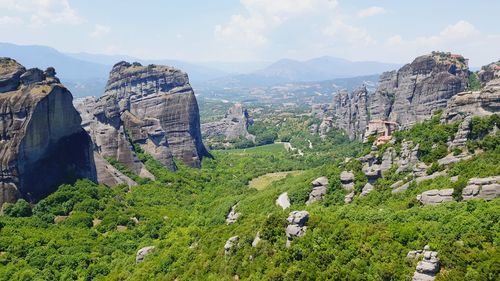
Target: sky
{"points": [[393, 31]]}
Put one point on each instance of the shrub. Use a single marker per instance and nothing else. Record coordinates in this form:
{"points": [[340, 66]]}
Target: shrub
{"points": [[19, 209]]}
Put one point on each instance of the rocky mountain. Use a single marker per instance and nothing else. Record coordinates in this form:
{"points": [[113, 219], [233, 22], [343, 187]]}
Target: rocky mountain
{"points": [[233, 126], [42, 143], [288, 70], [153, 106], [407, 96]]}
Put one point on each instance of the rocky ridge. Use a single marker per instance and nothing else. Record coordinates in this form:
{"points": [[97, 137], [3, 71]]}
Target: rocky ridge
{"points": [[152, 106], [407, 96], [233, 126], [42, 144]]}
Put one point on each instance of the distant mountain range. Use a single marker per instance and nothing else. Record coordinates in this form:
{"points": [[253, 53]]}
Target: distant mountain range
{"points": [[86, 74], [291, 71]]}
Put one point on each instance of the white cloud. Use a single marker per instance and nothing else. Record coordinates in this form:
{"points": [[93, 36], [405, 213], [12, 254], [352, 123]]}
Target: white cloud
{"points": [[461, 37], [8, 20], [462, 31], [262, 16], [243, 29], [372, 11], [100, 31], [41, 12], [338, 30]]}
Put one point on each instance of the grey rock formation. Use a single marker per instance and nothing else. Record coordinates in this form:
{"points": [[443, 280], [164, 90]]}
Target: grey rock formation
{"points": [[400, 186], [450, 159], [230, 244], [233, 126], [109, 175], [296, 225], [319, 188], [347, 180], [482, 188], [407, 96], [489, 72], [256, 240], [349, 197], [367, 189], [428, 267], [232, 216], [283, 201], [388, 159], [350, 112], [408, 158], [153, 106], [142, 253], [480, 103], [42, 144], [460, 138], [319, 110], [435, 196]]}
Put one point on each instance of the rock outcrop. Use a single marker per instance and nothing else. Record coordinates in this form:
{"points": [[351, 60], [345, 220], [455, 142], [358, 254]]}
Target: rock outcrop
{"points": [[233, 126], [349, 197], [232, 216], [142, 253], [230, 244], [482, 188], [407, 96], [489, 72], [428, 267], [42, 143], [436, 196], [347, 180], [319, 187], [283, 201], [151, 106], [480, 103], [296, 225], [367, 189], [350, 112]]}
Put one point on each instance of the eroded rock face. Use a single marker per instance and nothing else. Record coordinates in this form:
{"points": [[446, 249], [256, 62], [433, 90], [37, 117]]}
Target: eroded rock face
{"points": [[42, 144], [489, 72], [153, 106], [347, 180], [319, 188], [480, 103], [142, 253], [230, 244], [436, 196], [407, 96], [349, 197], [283, 201], [232, 216], [296, 225], [350, 112], [428, 267], [482, 188], [233, 126]]}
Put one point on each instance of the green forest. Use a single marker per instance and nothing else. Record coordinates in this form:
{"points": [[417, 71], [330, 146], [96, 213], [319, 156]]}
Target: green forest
{"points": [[86, 231]]}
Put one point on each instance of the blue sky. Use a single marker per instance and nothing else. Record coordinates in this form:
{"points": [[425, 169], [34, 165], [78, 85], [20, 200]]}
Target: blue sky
{"points": [[257, 30]]}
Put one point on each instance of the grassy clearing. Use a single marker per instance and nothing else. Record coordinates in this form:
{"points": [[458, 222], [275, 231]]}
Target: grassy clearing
{"points": [[266, 180]]}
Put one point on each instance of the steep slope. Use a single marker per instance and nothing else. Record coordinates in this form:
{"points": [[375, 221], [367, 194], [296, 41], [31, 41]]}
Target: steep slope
{"points": [[152, 106], [233, 126], [407, 96], [42, 143]]}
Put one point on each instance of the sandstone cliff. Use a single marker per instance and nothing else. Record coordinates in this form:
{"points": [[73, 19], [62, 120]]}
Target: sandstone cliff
{"points": [[234, 125], [474, 103], [153, 106], [406, 96], [42, 143]]}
